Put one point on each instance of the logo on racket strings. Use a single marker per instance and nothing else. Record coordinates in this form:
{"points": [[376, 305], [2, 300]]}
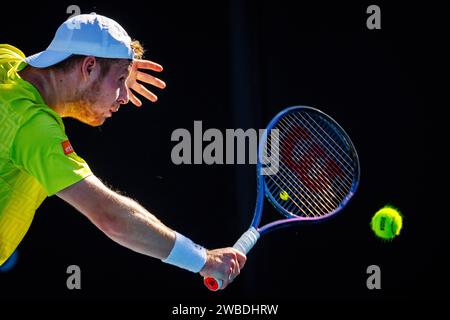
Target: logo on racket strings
{"points": [[306, 158]]}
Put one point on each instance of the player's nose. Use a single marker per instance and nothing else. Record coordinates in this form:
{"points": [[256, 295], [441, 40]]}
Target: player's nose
{"points": [[123, 96]]}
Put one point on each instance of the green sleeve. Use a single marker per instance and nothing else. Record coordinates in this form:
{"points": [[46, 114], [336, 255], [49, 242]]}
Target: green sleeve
{"points": [[38, 150]]}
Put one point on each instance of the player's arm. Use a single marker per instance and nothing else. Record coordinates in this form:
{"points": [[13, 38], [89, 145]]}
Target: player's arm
{"points": [[129, 224], [120, 218]]}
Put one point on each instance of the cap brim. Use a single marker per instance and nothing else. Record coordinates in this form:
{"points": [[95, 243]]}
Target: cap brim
{"points": [[46, 58]]}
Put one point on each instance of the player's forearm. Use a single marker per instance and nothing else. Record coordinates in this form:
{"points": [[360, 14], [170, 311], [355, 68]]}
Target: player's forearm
{"points": [[128, 223], [134, 227]]}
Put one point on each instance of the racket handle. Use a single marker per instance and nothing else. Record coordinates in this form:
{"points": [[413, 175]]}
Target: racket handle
{"points": [[244, 245]]}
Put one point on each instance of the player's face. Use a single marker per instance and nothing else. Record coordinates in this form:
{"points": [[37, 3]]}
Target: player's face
{"points": [[104, 97]]}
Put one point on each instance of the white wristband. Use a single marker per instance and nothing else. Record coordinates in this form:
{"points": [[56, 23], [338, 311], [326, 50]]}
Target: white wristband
{"points": [[186, 254]]}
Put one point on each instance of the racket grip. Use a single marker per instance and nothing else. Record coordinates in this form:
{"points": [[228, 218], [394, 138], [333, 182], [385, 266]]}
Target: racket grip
{"points": [[244, 244]]}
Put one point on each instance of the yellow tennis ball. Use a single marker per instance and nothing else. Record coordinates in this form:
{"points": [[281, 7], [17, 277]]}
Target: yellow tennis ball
{"points": [[387, 223], [284, 195]]}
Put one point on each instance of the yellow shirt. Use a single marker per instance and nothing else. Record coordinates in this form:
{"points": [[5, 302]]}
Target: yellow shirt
{"points": [[36, 158]]}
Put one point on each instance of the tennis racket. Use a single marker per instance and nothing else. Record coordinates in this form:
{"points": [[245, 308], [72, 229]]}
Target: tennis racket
{"points": [[313, 173]]}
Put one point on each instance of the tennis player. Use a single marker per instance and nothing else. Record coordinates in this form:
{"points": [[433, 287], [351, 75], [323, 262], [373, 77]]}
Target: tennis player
{"points": [[86, 73]]}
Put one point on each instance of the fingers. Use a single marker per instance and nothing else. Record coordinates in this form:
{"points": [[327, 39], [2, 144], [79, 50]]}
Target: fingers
{"points": [[134, 100], [139, 88], [241, 258], [147, 64], [235, 265], [147, 78], [230, 275]]}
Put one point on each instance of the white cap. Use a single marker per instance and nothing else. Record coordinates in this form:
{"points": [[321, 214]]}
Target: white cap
{"points": [[85, 34]]}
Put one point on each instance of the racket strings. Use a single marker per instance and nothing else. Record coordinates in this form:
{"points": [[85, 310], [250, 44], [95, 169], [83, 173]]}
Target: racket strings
{"points": [[304, 209], [332, 170], [320, 153], [286, 185], [315, 145], [326, 177], [286, 175], [313, 198], [321, 179], [345, 164], [300, 206]]}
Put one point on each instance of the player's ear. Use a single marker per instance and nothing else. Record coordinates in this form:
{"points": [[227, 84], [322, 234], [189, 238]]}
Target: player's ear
{"points": [[88, 65]]}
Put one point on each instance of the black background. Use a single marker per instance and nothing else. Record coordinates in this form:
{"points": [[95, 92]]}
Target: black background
{"points": [[234, 64]]}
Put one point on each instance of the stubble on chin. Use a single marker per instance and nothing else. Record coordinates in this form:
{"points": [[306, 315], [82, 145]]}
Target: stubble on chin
{"points": [[84, 108]]}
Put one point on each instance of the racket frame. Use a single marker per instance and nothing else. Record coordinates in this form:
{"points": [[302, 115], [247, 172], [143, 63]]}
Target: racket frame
{"points": [[261, 185]]}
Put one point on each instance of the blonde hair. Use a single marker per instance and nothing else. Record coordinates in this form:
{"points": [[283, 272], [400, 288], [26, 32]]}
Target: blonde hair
{"points": [[138, 49]]}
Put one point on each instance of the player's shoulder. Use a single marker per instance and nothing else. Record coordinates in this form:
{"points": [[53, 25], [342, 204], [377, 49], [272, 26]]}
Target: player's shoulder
{"points": [[22, 104], [41, 124], [13, 92]]}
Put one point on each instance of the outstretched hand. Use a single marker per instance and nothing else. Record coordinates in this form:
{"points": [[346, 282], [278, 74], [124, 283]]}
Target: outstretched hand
{"points": [[137, 87]]}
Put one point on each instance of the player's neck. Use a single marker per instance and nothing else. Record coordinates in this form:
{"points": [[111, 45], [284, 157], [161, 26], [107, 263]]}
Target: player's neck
{"points": [[55, 89]]}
